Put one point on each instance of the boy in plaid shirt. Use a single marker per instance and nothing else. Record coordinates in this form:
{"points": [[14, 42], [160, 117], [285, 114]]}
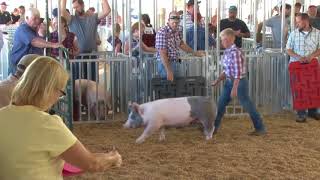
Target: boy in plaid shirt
{"points": [[236, 84]]}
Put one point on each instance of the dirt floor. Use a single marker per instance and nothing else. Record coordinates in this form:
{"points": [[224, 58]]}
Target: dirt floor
{"points": [[289, 151]]}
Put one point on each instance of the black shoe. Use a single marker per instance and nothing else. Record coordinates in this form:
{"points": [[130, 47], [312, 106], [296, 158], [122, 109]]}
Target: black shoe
{"points": [[301, 119], [258, 133], [315, 116]]}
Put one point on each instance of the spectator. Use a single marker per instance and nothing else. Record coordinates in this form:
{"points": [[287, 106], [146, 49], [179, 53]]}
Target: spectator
{"points": [[237, 25], [275, 24], [91, 11], [312, 11], [189, 13], [303, 45], [5, 17], [6, 86], [297, 8], [149, 34], [168, 42], [26, 40], [68, 39], [55, 12], [15, 16], [236, 83], [118, 44], [314, 20], [201, 38], [84, 26], [42, 29], [22, 11], [275, 11], [135, 41], [35, 144]]}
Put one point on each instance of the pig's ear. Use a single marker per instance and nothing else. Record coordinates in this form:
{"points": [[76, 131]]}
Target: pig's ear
{"points": [[135, 107]]}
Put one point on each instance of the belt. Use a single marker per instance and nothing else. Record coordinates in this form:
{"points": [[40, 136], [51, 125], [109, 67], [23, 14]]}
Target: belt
{"points": [[232, 78]]}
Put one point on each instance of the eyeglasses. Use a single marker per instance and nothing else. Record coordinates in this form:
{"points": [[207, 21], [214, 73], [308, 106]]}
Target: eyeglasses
{"points": [[63, 93]]}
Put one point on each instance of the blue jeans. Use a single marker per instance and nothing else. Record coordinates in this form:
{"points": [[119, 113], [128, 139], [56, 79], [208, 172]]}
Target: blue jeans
{"points": [[162, 70], [245, 102], [303, 113]]}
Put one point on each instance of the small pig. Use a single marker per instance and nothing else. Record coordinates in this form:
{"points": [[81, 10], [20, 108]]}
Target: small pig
{"points": [[172, 112], [88, 98]]}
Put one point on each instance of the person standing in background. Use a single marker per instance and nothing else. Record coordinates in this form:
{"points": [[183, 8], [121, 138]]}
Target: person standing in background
{"points": [[5, 17]]}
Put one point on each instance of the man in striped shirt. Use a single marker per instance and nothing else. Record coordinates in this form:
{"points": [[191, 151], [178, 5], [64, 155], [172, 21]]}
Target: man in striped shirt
{"points": [[303, 45], [168, 42], [236, 84]]}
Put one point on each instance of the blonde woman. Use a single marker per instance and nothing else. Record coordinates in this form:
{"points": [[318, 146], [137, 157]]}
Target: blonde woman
{"points": [[34, 144]]}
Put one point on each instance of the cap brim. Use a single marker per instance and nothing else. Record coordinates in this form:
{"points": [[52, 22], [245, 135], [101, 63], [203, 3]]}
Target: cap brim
{"points": [[193, 3]]}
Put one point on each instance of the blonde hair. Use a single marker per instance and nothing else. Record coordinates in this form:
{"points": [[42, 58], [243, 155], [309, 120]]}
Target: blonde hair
{"points": [[42, 78], [228, 32]]}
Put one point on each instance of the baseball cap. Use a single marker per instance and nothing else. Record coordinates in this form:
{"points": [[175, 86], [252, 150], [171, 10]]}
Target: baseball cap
{"points": [[25, 61], [233, 8], [4, 3], [312, 6], [191, 2]]}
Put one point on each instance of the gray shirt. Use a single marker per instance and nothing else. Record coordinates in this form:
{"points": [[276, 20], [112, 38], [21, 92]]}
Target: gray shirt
{"points": [[275, 24], [85, 29], [315, 22]]}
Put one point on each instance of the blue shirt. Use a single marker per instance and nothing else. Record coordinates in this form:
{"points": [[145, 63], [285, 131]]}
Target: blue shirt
{"points": [[85, 29], [201, 38], [134, 46], [22, 43]]}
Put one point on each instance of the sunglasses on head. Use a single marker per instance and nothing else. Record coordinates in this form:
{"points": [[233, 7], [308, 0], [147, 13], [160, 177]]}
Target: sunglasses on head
{"points": [[175, 17]]}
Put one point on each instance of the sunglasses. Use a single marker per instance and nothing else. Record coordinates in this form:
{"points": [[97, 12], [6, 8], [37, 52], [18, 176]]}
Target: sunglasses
{"points": [[175, 17]]}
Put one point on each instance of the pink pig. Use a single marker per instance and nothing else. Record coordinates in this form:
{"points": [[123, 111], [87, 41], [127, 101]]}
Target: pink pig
{"points": [[172, 112], [89, 99]]}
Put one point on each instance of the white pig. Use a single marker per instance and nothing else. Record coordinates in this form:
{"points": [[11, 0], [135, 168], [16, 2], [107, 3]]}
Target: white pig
{"points": [[88, 98], [172, 112]]}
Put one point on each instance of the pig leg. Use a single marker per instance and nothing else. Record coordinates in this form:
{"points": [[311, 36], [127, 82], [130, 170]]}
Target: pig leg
{"points": [[208, 127], [150, 129], [162, 136]]}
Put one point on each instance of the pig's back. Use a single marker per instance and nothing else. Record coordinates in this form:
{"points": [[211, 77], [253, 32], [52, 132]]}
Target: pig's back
{"points": [[172, 111]]}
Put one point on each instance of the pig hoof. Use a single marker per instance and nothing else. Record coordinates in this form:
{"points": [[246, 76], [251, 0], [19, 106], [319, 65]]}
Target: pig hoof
{"points": [[162, 138], [139, 141]]}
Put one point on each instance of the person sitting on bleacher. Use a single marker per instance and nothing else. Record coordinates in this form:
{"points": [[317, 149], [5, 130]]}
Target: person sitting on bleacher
{"points": [[168, 42], [7, 85], [36, 145]]}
